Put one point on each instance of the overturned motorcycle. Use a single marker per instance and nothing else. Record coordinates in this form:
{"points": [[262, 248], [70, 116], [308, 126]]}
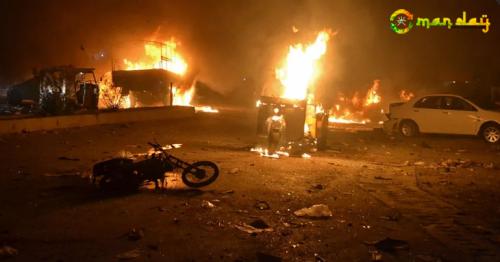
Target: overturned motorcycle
{"points": [[126, 173]]}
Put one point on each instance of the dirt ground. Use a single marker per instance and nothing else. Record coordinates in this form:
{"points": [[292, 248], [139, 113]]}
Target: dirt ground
{"points": [[439, 195]]}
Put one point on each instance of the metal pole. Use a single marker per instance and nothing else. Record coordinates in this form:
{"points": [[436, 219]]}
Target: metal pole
{"points": [[171, 94]]}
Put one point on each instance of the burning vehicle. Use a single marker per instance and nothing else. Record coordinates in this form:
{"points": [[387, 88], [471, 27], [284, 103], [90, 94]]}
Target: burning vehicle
{"points": [[288, 121], [146, 87], [444, 114], [67, 89], [57, 90]]}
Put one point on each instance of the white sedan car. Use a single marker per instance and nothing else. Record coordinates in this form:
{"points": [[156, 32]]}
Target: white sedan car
{"points": [[443, 114]]}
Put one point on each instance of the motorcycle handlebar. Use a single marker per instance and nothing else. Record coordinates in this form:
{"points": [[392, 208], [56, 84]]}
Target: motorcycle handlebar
{"points": [[156, 146]]}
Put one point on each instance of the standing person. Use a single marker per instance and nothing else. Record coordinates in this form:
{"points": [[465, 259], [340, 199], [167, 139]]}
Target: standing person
{"points": [[275, 130]]}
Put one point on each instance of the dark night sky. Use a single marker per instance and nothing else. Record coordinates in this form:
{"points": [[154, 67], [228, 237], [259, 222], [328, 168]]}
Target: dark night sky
{"points": [[227, 40]]}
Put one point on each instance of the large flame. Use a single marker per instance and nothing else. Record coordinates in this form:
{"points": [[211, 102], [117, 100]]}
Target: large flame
{"points": [[157, 55], [362, 110], [160, 55], [372, 97], [182, 97], [354, 110], [301, 67]]}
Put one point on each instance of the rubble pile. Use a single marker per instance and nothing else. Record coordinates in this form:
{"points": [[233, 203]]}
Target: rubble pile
{"points": [[450, 165]]}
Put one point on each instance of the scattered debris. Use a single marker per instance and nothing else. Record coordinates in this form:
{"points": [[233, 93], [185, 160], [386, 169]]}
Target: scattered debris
{"points": [[315, 188], [207, 204], [318, 258], [419, 163], [262, 205], [8, 251], [68, 158], [389, 244], [135, 234], [234, 171], [129, 255], [257, 226], [452, 164], [382, 178], [318, 187], [260, 224], [227, 192], [315, 211]]}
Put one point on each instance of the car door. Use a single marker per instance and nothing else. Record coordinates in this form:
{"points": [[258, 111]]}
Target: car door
{"points": [[426, 112], [460, 116]]}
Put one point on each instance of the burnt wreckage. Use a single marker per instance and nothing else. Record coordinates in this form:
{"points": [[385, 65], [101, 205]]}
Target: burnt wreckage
{"points": [[281, 122], [57, 90], [146, 87]]}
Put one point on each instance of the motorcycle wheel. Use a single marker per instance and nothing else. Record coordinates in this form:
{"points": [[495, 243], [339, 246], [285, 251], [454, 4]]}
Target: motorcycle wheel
{"points": [[203, 173]]}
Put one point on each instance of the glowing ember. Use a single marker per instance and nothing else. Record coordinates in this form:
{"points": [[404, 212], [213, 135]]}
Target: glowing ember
{"points": [[406, 95], [160, 56], [206, 109], [342, 120], [264, 152], [354, 110], [372, 97], [301, 67], [305, 155]]}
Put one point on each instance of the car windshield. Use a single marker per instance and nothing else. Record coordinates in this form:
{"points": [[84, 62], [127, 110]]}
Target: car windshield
{"points": [[484, 103]]}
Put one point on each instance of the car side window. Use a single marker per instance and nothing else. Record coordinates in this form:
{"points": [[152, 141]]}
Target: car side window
{"points": [[431, 102], [455, 103]]}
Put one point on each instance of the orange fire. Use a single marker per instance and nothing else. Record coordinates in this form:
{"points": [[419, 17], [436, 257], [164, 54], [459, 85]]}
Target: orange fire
{"points": [[372, 97], [157, 55], [405, 95], [181, 97], [353, 110], [164, 55], [302, 67], [160, 55]]}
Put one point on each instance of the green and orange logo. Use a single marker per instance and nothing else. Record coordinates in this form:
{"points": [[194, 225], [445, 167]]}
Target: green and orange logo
{"points": [[401, 21]]}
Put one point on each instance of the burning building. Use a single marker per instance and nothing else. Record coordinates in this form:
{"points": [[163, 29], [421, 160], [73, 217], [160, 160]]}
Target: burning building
{"points": [[159, 78]]}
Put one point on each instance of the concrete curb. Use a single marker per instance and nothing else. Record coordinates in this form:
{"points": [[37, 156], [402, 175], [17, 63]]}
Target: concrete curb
{"points": [[117, 117]]}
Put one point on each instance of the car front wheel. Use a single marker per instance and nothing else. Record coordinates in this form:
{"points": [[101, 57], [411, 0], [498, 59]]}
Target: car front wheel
{"points": [[408, 128], [491, 133]]}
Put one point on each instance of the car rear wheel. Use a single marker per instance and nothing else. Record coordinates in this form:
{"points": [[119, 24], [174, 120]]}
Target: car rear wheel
{"points": [[491, 133], [408, 128]]}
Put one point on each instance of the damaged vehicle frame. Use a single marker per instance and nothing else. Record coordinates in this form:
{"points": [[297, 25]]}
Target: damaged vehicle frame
{"points": [[293, 115], [57, 90], [67, 89]]}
